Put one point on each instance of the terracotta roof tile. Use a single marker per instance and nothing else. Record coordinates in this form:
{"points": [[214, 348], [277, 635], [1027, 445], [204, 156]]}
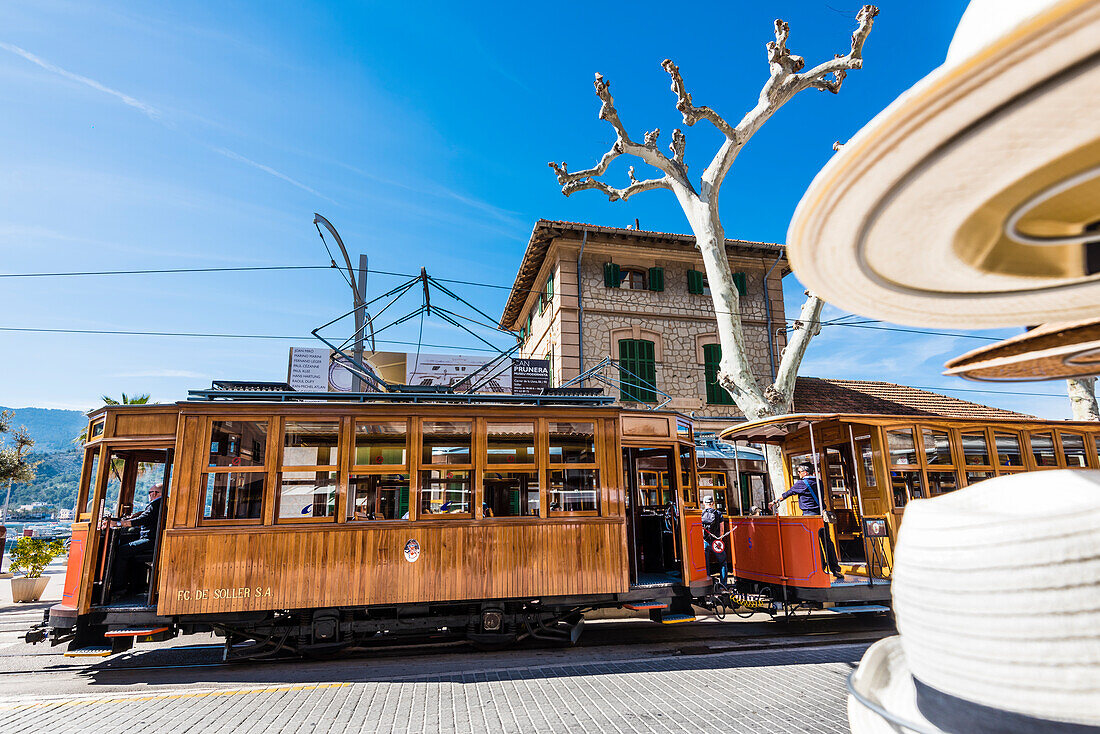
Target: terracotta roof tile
{"points": [[820, 395]]}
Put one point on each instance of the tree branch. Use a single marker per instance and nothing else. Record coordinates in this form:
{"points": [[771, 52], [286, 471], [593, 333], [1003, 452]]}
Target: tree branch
{"points": [[691, 113], [614, 194], [806, 328], [786, 80], [674, 169]]}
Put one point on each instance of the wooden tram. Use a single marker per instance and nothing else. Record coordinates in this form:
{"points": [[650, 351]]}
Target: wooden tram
{"points": [[295, 526], [870, 467]]}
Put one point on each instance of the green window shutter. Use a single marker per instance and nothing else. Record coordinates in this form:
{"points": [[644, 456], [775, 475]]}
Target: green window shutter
{"points": [[638, 377], [695, 282], [529, 317], [542, 304], [611, 275], [716, 394], [656, 279], [550, 289], [741, 282]]}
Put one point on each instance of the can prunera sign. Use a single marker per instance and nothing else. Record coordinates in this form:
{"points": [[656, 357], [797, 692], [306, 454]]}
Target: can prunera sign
{"points": [[530, 376]]}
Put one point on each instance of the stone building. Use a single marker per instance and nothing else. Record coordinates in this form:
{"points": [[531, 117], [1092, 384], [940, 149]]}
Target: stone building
{"points": [[584, 293]]}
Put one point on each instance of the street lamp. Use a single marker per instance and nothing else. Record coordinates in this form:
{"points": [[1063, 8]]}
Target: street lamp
{"points": [[358, 283]]}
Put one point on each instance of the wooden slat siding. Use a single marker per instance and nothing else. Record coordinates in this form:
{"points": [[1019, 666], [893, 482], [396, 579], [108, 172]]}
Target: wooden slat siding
{"points": [[316, 567], [149, 422]]}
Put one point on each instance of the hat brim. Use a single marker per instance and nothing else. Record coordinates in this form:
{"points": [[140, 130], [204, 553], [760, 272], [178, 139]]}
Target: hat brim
{"points": [[882, 697], [1049, 352], [908, 221]]}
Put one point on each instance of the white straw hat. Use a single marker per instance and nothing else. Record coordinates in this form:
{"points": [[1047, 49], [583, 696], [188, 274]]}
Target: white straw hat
{"points": [[997, 596], [1049, 352], [971, 200]]}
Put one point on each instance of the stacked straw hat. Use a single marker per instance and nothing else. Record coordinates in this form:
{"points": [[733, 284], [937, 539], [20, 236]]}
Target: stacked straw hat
{"points": [[997, 597], [973, 200], [1049, 352]]}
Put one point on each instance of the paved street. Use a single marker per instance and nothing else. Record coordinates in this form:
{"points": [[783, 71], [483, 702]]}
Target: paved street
{"points": [[776, 691], [624, 677]]}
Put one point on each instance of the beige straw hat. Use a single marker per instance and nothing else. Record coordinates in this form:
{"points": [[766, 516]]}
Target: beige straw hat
{"points": [[972, 199], [997, 596], [1049, 352]]}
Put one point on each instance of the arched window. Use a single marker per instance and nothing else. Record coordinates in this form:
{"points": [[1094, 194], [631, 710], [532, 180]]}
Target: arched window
{"points": [[638, 375], [633, 279]]}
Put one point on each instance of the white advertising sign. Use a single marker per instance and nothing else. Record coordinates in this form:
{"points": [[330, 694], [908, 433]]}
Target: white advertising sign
{"points": [[312, 370], [448, 369]]}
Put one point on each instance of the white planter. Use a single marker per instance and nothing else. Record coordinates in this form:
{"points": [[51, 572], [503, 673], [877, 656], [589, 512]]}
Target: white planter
{"points": [[26, 589]]}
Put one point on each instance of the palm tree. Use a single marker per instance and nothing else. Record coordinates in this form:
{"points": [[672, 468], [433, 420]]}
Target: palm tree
{"points": [[142, 399]]}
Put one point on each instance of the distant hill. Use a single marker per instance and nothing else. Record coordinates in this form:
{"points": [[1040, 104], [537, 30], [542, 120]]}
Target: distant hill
{"points": [[52, 430]]}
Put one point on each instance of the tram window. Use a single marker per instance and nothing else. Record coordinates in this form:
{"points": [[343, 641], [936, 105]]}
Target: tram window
{"points": [[380, 442], [92, 474], [902, 449], [867, 460], [97, 429], [574, 490], [687, 487], [238, 443], [511, 494], [975, 449], [233, 495], [1096, 445], [306, 494], [446, 442], [573, 442], [906, 485], [445, 492], [311, 443], [1073, 449], [510, 443], [116, 467], [973, 477], [1008, 449], [378, 497], [1042, 448], [937, 447], [942, 482]]}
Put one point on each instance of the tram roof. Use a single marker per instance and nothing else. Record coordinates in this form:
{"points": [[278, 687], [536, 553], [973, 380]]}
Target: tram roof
{"points": [[775, 428]]}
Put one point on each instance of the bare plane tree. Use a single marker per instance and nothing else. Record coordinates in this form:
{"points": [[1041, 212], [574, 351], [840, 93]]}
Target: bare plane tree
{"points": [[1082, 398], [699, 200]]}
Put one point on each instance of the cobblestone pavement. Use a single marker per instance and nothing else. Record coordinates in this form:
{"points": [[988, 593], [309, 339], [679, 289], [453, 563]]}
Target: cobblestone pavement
{"points": [[797, 690]]}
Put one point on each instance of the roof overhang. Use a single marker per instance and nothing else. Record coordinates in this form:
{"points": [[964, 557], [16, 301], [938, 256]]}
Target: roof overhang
{"points": [[774, 429]]}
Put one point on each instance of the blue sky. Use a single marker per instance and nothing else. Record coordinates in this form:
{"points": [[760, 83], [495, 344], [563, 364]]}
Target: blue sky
{"points": [[202, 134]]}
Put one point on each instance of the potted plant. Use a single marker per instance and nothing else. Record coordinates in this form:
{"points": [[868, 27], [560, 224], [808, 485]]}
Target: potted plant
{"points": [[30, 556]]}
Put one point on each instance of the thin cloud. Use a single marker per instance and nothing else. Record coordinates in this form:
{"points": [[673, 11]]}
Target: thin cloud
{"points": [[152, 113], [266, 169], [148, 109], [163, 373]]}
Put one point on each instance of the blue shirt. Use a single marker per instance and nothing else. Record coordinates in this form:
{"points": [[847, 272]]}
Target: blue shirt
{"points": [[808, 492]]}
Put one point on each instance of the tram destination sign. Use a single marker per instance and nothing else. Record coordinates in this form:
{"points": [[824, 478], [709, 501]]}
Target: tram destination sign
{"points": [[530, 376]]}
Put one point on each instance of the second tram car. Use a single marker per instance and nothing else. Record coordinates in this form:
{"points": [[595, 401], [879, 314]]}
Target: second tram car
{"points": [[870, 467]]}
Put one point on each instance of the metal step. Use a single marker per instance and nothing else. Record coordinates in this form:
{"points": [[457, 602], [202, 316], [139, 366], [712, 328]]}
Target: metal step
{"points": [[865, 608], [137, 632], [646, 606], [676, 618], [88, 652]]}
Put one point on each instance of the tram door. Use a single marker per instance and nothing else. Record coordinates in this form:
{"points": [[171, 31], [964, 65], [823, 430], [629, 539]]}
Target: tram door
{"points": [[842, 498], [125, 570], [653, 526]]}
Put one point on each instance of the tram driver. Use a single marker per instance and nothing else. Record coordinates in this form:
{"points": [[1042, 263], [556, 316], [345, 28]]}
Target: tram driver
{"points": [[126, 573], [808, 490]]}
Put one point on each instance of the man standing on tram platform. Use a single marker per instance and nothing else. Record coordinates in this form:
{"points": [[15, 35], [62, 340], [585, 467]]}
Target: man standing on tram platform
{"points": [[808, 490]]}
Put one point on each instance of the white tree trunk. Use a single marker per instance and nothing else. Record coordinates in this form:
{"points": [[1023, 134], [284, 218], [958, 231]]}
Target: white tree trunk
{"points": [[1082, 398], [699, 201]]}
